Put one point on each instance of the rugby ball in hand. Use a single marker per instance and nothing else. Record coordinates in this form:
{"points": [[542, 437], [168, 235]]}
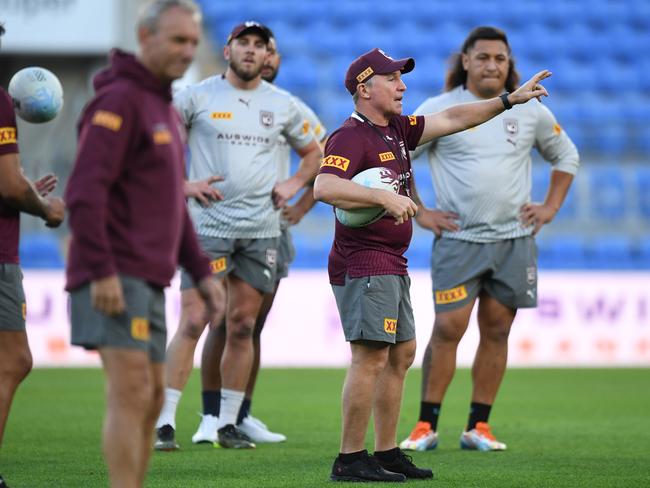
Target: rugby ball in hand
{"points": [[379, 178], [37, 94]]}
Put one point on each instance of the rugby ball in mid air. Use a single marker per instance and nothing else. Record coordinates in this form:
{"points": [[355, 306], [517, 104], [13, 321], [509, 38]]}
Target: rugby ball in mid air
{"points": [[37, 94], [379, 178]]}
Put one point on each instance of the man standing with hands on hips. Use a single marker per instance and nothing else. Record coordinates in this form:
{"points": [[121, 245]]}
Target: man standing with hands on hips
{"points": [[367, 267], [484, 249]]}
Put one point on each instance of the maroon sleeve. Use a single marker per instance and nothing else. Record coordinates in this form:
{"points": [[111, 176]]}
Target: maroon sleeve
{"points": [[105, 131], [8, 130], [190, 254], [413, 126], [343, 154]]}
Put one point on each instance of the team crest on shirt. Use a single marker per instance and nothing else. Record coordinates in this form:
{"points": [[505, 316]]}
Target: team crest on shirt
{"points": [[531, 275], [511, 126], [402, 149], [266, 119]]}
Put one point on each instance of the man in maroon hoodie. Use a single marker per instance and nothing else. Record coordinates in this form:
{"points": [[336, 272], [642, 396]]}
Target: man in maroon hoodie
{"points": [[17, 194], [130, 228]]}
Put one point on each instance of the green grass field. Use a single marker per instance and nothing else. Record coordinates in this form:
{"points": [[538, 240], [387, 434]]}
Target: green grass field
{"points": [[564, 428]]}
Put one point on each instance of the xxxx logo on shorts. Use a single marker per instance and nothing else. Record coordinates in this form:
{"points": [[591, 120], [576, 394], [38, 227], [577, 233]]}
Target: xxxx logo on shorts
{"points": [[390, 325], [218, 265], [451, 296], [7, 135], [140, 328], [108, 120], [336, 162], [386, 156]]}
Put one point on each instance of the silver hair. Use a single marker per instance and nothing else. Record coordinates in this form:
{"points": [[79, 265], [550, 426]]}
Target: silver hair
{"points": [[152, 11], [355, 97]]}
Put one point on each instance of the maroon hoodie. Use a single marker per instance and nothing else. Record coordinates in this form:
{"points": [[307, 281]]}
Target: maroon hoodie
{"points": [[125, 197]]}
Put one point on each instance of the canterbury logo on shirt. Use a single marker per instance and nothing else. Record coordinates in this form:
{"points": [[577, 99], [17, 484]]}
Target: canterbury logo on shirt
{"points": [[7, 135], [108, 120], [386, 156], [452, 295], [338, 162]]}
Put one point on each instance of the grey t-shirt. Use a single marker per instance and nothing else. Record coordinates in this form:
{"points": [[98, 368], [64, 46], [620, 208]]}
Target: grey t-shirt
{"points": [[235, 133], [484, 173]]}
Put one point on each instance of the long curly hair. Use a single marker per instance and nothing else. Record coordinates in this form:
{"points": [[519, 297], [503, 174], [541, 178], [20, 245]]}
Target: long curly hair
{"points": [[456, 75]]}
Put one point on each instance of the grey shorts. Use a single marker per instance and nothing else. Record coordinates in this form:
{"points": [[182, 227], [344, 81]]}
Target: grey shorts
{"points": [[141, 326], [506, 270], [252, 260], [12, 298], [286, 255], [376, 308]]}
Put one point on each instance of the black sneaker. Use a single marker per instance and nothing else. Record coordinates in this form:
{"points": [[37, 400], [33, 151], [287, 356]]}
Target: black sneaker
{"points": [[231, 437], [364, 469], [165, 439], [2, 483], [403, 463]]}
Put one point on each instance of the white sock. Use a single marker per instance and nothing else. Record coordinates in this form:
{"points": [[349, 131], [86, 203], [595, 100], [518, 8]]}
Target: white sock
{"points": [[168, 412], [231, 401]]}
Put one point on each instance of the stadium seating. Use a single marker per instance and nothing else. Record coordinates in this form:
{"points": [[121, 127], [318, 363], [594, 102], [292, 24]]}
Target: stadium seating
{"points": [[40, 251], [598, 52]]}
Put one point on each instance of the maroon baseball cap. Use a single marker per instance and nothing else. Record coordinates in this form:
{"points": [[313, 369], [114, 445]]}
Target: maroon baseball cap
{"points": [[375, 62], [249, 27]]}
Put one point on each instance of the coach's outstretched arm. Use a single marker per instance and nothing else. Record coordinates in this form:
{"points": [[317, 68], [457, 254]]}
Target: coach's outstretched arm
{"points": [[466, 115]]}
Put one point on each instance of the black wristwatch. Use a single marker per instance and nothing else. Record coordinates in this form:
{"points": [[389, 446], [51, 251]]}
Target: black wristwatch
{"points": [[506, 102]]}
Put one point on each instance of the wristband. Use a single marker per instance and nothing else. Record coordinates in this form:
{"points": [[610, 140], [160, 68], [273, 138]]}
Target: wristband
{"points": [[506, 102]]}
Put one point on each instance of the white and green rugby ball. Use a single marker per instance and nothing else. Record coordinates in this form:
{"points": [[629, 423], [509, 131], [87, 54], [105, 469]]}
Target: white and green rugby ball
{"points": [[379, 178]]}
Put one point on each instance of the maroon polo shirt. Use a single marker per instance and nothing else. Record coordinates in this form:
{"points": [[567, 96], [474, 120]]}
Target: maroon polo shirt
{"points": [[378, 248], [125, 197], [9, 217]]}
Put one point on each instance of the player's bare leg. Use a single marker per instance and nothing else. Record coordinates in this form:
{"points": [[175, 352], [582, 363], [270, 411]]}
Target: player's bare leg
{"points": [[180, 353], [15, 365], [495, 321], [129, 397], [388, 394], [244, 303], [368, 362], [157, 399], [439, 363]]}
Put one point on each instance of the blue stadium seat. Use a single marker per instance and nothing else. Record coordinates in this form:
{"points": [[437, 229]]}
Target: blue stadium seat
{"points": [[615, 77], [642, 252], [610, 252], [562, 252], [311, 252], [607, 193], [642, 190], [40, 251], [419, 252], [541, 176]]}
